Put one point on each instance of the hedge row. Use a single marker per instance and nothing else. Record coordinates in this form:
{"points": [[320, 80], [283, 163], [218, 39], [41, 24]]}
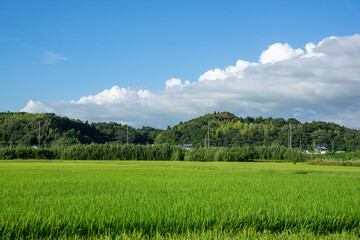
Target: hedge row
{"points": [[154, 152]]}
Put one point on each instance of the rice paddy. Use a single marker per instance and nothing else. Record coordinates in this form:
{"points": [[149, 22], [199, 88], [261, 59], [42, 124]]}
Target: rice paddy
{"points": [[177, 200]]}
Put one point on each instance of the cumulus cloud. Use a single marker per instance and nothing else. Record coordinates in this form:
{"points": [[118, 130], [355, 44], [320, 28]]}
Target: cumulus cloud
{"points": [[36, 107], [114, 95], [319, 82], [219, 74], [175, 82], [279, 52]]}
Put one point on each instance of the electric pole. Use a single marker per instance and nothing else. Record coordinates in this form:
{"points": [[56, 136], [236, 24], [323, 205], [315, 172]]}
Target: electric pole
{"points": [[127, 134], [39, 134], [208, 135], [290, 137]]}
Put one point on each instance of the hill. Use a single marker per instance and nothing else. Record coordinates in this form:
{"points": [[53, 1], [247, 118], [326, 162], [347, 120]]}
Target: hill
{"points": [[227, 129], [23, 128]]}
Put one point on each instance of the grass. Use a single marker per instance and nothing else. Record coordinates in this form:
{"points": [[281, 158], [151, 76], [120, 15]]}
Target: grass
{"points": [[331, 162], [177, 200]]}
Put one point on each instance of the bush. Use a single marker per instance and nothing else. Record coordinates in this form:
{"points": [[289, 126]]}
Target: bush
{"points": [[177, 155], [158, 152], [27, 153]]}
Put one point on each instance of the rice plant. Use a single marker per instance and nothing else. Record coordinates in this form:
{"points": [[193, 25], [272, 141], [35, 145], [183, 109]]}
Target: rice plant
{"points": [[177, 199]]}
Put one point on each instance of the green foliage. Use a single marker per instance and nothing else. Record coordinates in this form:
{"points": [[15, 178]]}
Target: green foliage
{"points": [[122, 152], [154, 152], [97, 152], [331, 162], [177, 155], [339, 156], [200, 155], [245, 154], [70, 137], [228, 130], [28, 153], [227, 156], [23, 129], [337, 159]]}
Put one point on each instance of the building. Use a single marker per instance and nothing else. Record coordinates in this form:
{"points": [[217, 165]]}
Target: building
{"points": [[320, 150], [186, 146]]}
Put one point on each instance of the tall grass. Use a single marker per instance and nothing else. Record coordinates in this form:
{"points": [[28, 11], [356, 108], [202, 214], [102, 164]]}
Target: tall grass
{"points": [[339, 156], [154, 152], [97, 152], [119, 152], [245, 154], [28, 153]]}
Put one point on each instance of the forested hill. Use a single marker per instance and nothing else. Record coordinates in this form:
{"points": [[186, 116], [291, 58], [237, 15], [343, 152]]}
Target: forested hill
{"points": [[23, 128], [227, 129], [224, 128]]}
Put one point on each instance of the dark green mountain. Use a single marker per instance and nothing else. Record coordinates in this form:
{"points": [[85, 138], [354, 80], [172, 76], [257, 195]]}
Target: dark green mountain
{"points": [[23, 128], [224, 129], [227, 129]]}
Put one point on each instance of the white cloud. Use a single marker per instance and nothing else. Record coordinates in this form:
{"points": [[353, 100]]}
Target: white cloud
{"points": [[36, 107], [219, 74], [114, 95], [144, 94], [213, 75], [53, 58], [320, 83], [175, 82], [279, 52]]}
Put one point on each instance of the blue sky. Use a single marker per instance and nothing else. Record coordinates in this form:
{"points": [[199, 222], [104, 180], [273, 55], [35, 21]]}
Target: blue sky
{"points": [[58, 51]]}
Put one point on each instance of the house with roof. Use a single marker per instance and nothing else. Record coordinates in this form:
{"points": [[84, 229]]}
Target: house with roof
{"points": [[186, 146], [320, 150]]}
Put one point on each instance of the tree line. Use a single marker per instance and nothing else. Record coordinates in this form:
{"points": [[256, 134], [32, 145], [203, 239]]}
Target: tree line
{"points": [[217, 129], [50, 129], [163, 152], [226, 129]]}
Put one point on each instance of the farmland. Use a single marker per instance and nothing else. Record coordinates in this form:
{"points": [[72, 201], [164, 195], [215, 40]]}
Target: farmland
{"points": [[175, 199]]}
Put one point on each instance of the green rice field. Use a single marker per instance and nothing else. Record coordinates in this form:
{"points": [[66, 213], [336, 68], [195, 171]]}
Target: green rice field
{"points": [[42, 199]]}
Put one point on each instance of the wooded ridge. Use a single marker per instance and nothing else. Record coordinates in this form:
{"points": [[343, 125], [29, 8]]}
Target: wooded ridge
{"points": [[217, 129]]}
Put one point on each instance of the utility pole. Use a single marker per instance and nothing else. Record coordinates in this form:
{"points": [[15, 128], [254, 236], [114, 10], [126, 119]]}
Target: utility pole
{"points": [[205, 141], [127, 134], [208, 135], [39, 134], [290, 137]]}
